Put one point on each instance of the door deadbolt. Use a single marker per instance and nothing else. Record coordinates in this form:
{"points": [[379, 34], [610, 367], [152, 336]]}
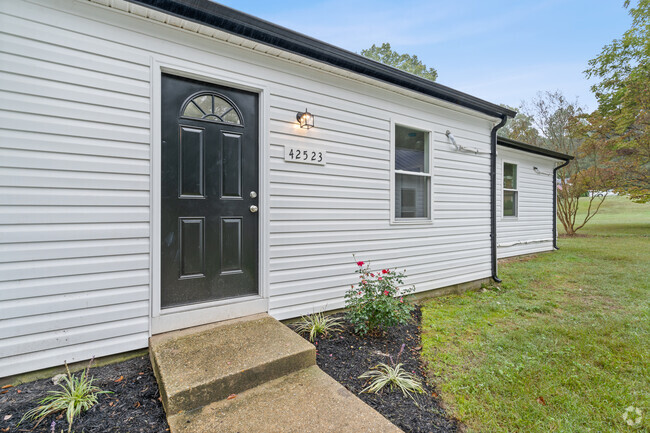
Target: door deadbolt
{"points": [[253, 208], [253, 194]]}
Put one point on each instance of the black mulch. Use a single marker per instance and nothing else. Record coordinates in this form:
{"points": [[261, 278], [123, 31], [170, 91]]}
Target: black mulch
{"points": [[133, 406], [345, 356]]}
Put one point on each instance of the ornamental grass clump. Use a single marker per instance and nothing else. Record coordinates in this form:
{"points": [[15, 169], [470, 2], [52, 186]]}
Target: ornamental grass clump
{"points": [[393, 376], [318, 324], [77, 394], [377, 302]]}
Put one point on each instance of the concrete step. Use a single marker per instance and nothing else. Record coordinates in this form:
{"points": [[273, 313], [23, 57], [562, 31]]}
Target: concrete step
{"points": [[304, 401], [198, 366]]}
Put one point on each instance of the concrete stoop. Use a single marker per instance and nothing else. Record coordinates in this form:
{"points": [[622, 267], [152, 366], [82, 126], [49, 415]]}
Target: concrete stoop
{"points": [[271, 371], [307, 400]]}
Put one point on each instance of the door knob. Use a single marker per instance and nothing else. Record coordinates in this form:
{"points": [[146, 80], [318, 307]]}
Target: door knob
{"points": [[253, 208]]}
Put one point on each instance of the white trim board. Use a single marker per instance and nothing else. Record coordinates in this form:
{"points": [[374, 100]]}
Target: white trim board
{"points": [[428, 128], [505, 161], [198, 314], [201, 316]]}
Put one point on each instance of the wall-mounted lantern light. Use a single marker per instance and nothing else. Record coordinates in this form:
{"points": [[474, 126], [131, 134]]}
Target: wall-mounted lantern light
{"points": [[306, 119]]}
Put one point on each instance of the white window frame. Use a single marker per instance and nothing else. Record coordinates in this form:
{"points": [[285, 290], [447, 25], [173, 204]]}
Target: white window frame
{"points": [[504, 189], [420, 126]]}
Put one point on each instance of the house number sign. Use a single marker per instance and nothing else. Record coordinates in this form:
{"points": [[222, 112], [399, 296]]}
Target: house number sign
{"points": [[305, 155]]}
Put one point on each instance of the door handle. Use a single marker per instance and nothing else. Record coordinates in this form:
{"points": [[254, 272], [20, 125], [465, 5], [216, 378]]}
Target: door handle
{"points": [[253, 208]]}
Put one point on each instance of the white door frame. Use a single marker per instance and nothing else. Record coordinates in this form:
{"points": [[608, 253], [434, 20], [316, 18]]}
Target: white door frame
{"points": [[197, 314]]}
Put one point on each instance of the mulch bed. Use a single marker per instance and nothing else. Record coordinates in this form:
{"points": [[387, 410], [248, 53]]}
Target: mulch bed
{"points": [[133, 406], [345, 356]]}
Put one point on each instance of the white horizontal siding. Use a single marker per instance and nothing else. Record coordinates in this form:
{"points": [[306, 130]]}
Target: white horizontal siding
{"points": [[20, 252], [29, 361], [532, 230], [68, 232], [85, 316], [320, 216], [75, 179], [72, 336], [74, 194], [30, 288]]}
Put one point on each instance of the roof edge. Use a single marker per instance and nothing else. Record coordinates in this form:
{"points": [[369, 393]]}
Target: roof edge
{"points": [[519, 145], [235, 22]]}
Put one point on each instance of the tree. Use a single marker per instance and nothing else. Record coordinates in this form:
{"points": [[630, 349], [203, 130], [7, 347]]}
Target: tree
{"points": [[623, 95], [521, 128], [561, 127], [405, 62]]}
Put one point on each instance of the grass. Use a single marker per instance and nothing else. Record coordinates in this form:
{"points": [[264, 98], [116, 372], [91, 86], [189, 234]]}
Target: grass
{"points": [[392, 376], [563, 345], [617, 216], [317, 324], [77, 395]]}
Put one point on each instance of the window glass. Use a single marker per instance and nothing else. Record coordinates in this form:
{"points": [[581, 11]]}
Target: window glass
{"points": [[203, 103], [192, 110], [213, 108], [509, 203], [509, 189], [510, 176], [412, 195], [411, 150]]}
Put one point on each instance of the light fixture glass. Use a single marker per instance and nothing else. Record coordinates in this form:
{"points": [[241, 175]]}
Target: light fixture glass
{"points": [[305, 119]]}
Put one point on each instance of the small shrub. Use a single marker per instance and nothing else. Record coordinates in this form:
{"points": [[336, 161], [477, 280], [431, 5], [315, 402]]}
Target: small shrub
{"points": [[393, 376], [377, 301], [318, 324], [78, 394]]}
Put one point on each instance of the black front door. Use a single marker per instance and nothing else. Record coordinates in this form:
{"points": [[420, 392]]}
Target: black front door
{"points": [[209, 185]]}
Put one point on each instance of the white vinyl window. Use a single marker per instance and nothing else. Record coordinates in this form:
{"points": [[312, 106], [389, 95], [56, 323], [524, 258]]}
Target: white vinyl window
{"points": [[412, 174], [510, 192]]}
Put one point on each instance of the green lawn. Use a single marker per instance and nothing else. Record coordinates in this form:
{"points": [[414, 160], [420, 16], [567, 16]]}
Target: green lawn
{"points": [[563, 345], [617, 216]]}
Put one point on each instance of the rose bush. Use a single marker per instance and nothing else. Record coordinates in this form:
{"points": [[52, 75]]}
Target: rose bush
{"points": [[377, 302]]}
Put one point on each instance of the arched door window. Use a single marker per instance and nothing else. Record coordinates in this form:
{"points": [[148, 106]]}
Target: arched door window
{"points": [[211, 107]]}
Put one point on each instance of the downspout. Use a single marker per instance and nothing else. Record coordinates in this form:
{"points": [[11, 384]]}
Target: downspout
{"points": [[555, 202], [493, 195]]}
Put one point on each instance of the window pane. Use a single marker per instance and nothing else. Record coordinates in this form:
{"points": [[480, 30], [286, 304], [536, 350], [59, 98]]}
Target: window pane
{"points": [[411, 150], [231, 117], [213, 108], [509, 203], [221, 106], [510, 176], [412, 196], [204, 102], [192, 111]]}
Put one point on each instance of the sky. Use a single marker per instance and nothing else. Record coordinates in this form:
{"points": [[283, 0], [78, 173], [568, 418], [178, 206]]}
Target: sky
{"points": [[503, 52]]}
